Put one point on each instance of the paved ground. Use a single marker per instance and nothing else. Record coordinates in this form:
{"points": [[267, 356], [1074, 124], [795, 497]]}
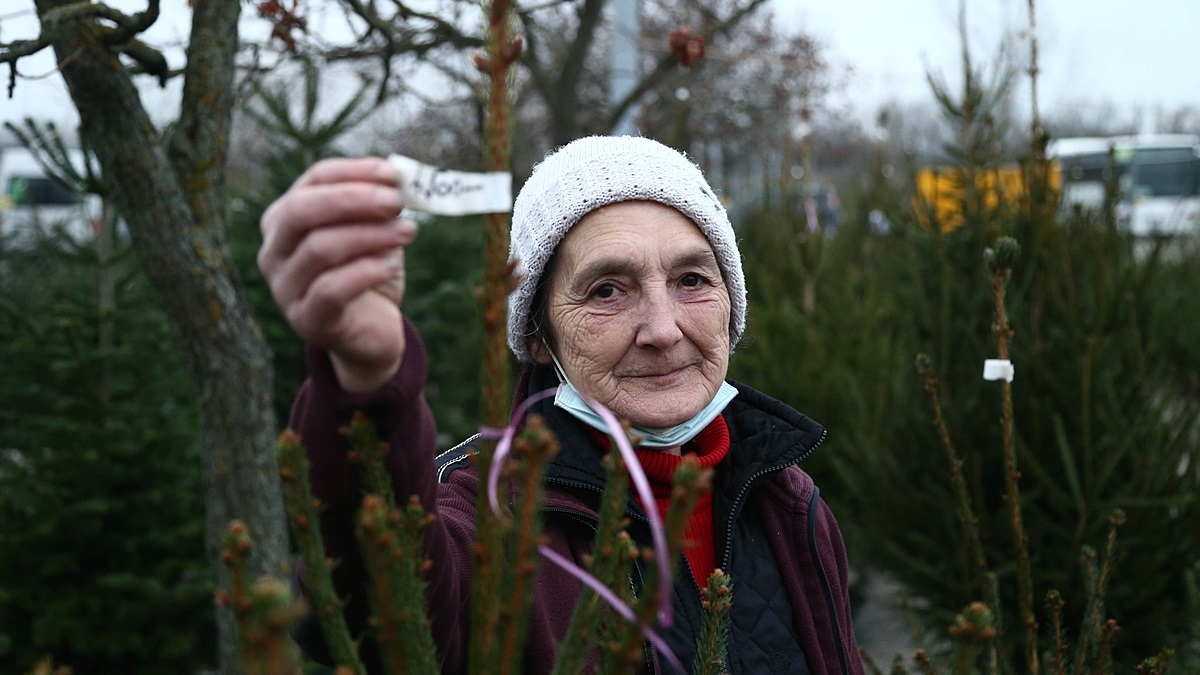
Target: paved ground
{"points": [[880, 626]]}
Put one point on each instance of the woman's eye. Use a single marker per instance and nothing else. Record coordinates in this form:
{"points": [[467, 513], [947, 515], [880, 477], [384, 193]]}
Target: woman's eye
{"points": [[605, 291], [692, 280]]}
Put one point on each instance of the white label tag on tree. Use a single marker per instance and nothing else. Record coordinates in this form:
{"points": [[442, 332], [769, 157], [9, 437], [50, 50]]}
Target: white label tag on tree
{"points": [[451, 193], [998, 369]]}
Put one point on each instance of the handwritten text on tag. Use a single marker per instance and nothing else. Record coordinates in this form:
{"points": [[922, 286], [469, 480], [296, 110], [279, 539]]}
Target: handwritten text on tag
{"points": [[451, 193]]}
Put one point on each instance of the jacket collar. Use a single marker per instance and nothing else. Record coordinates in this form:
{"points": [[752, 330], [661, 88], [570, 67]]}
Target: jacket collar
{"points": [[765, 435]]}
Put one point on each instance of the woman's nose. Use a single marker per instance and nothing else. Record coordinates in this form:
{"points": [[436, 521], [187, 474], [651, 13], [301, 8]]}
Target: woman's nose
{"points": [[658, 321]]}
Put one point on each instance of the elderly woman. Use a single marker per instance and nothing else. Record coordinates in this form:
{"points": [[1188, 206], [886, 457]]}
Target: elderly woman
{"points": [[631, 294]]}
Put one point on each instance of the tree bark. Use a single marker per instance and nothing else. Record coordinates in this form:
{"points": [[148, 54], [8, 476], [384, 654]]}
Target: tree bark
{"points": [[172, 196]]}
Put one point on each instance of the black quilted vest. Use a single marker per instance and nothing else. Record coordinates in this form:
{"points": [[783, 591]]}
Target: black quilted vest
{"points": [[762, 639]]}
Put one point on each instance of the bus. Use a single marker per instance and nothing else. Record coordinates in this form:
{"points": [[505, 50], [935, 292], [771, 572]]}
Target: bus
{"points": [[1156, 178]]}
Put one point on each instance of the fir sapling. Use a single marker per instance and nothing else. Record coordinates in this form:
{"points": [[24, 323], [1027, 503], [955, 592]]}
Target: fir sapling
{"points": [[394, 554], [714, 631], [302, 510]]}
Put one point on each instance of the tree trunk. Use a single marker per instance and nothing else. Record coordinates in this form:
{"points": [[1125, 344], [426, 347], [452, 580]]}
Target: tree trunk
{"points": [[172, 197]]}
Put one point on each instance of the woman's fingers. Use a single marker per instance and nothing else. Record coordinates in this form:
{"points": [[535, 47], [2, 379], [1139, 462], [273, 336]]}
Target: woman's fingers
{"points": [[346, 170], [332, 191], [289, 220], [328, 248], [321, 315], [327, 242]]}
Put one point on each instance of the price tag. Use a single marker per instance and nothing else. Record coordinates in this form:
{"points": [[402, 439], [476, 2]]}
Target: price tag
{"points": [[998, 369], [451, 193]]}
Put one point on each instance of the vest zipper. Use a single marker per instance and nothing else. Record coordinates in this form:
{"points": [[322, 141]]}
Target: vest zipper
{"points": [[736, 509]]}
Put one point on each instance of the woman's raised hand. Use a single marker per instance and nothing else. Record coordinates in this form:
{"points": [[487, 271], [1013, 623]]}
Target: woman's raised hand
{"points": [[330, 243]]}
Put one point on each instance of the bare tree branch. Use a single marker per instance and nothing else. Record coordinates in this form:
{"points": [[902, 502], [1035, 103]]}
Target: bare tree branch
{"points": [[668, 62], [122, 37], [572, 67], [11, 51], [589, 20], [130, 26], [529, 59], [416, 41], [387, 37], [375, 26]]}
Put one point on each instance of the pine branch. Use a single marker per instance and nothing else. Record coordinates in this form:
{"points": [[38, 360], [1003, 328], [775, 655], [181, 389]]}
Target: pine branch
{"points": [[318, 579], [689, 482], [999, 262], [394, 554], [973, 628], [531, 453], [1054, 607], [1156, 665], [712, 644], [401, 618], [1089, 630], [612, 554], [923, 662], [503, 48], [485, 583], [1101, 665], [1097, 575], [368, 452], [966, 513], [264, 611]]}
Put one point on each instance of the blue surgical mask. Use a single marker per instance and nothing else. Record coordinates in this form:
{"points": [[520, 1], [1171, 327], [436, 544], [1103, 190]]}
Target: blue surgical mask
{"points": [[569, 399]]}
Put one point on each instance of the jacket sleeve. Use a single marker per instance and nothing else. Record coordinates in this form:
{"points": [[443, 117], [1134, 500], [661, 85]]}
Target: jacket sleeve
{"points": [[403, 419], [827, 537], [812, 557]]}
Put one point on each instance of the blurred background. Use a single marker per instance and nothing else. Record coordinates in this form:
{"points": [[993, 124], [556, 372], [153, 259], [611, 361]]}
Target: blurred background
{"points": [[869, 153]]}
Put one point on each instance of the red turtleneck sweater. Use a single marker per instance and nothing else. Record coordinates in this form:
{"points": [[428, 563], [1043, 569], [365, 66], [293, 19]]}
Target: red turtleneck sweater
{"points": [[710, 447]]}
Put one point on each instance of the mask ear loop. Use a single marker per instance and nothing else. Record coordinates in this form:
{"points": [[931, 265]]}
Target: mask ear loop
{"points": [[558, 369], [565, 387]]}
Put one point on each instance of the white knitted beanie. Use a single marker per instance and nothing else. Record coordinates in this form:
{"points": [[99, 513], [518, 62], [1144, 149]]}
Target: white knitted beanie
{"points": [[588, 173]]}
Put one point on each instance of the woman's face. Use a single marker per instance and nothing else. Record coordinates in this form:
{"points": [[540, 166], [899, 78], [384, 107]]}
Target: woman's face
{"points": [[639, 313]]}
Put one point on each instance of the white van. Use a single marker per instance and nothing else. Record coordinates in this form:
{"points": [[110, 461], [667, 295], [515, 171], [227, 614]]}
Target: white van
{"points": [[34, 203], [1157, 179]]}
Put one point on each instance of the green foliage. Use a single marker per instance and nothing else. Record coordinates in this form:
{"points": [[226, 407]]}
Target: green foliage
{"points": [[711, 646], [50, 150], [265, 609], [1105, 403], [609, 563], [101, 511], [507, 556], [1106, 413], [445, 271]]}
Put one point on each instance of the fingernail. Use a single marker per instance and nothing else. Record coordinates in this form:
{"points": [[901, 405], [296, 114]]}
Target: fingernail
{"points": [[407, 225], [386, 172], [387, 200], [395, 261]]}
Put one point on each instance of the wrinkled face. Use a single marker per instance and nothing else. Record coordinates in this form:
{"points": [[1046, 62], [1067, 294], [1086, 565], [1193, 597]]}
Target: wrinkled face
{"points": [[639, 313]]}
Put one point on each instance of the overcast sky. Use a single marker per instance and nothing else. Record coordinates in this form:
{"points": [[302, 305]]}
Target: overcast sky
{"points": [[1142, 53], [1139, 53]]}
